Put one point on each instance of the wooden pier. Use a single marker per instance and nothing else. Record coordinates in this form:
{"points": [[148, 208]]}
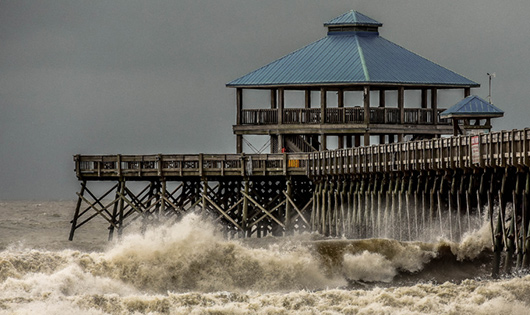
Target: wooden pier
{"points": [[397, 190]]}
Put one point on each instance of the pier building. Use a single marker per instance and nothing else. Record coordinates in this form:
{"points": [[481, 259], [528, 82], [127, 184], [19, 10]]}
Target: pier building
{"points": [[351, 84]]}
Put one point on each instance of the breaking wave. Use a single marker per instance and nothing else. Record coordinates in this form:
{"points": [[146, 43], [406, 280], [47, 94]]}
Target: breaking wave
{"points": [[190, 268]]}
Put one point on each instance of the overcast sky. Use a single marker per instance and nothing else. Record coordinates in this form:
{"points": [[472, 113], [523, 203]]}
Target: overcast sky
{"points": [[142, 77]]}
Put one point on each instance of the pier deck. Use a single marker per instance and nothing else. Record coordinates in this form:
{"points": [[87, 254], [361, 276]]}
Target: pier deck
{"points": [[394, 190]]}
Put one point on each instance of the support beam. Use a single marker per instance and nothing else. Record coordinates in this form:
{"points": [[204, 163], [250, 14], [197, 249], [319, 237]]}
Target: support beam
{"points": [[424, 95], [434, 105], [274, 99], [401, 104], [239, 105], [323, 105], [281, 104], [308, 98], [366, 102]]}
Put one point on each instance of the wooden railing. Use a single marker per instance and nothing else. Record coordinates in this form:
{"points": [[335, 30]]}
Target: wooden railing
{"points": [[137, 167], [302, 116], [496, 149], [259, 116], [343, 115]]}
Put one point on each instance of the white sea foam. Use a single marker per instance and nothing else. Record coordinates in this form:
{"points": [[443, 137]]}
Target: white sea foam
{"points": [[188, 268]]}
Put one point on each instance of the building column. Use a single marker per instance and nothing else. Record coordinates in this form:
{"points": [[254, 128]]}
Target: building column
{"points": [[349, 141], [467, 92], [239, 111], [423, 98], [281, 103], [357, 140], [307, 98], [239, 144], [340, 104], [274, 99], [340, 141], [323, 142], [401, 104], [323, 105], [434, 105], [366, 102], [366, 139]]}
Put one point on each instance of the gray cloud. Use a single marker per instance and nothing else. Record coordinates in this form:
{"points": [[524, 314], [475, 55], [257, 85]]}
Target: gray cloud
{"points": [[149, 76]]}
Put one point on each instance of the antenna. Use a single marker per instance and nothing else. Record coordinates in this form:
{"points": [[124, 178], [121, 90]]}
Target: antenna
{"points": [[490, 75]]}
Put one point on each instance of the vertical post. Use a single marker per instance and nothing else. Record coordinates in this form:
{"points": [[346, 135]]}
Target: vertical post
{"points": [[366, 139], [434, 105], [239, 112], [162, 196], [76, 213], [423, 98], [401, 104], [467, 92], [274, 99], [366, 103], [323, 142], [308, 98], [204, 194], [323, 105], [244, 222], [281, 105], [288, 192], [120, 214], [349, 141]]}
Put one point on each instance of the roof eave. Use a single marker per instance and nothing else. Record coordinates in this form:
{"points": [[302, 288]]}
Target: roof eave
{"points": [[354, 84], [474, 115]]}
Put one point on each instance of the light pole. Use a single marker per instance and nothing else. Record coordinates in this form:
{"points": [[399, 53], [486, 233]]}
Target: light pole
{"points": [[490, 75]]}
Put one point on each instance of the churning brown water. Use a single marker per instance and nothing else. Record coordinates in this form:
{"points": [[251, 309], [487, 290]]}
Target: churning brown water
{"points": [[190, 268]]}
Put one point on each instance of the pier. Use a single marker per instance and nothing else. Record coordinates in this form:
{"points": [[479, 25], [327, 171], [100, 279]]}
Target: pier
{"points": [[434, 171], [357, 192]]}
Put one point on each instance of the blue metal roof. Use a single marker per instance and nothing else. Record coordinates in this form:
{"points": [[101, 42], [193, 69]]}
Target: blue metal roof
{"points": [[353, 18], [352, 58], [472, 106]]}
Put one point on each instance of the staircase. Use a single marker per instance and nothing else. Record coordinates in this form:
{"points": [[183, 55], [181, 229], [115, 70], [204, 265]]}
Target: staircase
{"points": [[297, 143]]}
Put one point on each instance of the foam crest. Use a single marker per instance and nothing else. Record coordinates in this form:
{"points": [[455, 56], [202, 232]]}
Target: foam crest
{"points": [[191, 255]]}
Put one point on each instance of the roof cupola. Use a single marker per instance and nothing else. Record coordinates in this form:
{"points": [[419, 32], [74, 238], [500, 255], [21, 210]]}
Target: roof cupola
{"points": [[352, 21]]}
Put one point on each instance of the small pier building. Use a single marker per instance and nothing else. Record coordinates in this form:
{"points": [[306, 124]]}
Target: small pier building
{"points": [[344, 83]]}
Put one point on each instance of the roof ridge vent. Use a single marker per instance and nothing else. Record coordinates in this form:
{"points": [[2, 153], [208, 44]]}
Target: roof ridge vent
{"points": [[352, 21]]}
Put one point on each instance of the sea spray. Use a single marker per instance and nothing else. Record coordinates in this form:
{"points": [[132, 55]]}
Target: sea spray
{"points": [[192, 255], [294, 275]]}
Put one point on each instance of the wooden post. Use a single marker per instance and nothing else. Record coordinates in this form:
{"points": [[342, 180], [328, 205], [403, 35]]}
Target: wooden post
{"points": [[434, 105], [244, 223], [366, 139], [281, 105], [76, 213], [239, 105], [308, 98], [274, 99], [467, 92], [423, 98], [401, 104], [366, 103], [239, 144], [323, 142], [121, 187], [323, 105]]}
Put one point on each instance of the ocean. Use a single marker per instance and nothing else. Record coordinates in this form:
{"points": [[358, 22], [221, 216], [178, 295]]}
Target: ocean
{"points": [[190, 268]]}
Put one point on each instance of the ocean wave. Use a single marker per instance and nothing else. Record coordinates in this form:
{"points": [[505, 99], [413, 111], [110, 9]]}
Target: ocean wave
{"points": [[190, 267]]}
